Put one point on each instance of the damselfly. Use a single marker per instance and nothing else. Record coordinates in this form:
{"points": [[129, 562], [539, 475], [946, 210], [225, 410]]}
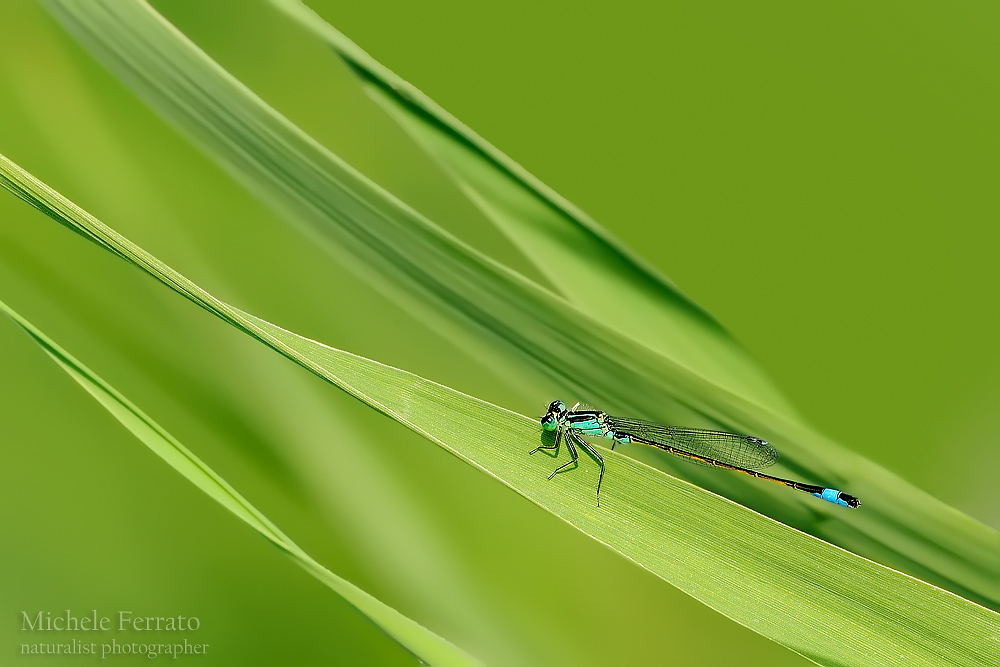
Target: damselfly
{"points": [[742, 453]]}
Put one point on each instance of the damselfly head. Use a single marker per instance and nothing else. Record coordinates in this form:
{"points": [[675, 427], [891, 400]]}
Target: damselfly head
{"points": [[555, 412]]}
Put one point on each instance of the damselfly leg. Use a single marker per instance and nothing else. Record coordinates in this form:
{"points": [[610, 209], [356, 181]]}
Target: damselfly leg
{"points": [[593, 452], [554, 445], [572, 452]]}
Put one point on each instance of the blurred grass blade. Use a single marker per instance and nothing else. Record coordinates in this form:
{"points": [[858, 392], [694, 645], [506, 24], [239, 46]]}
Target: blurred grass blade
{"points": [[421, 267], [439, 278], [589, 267], [418, 640], [825, 603]]}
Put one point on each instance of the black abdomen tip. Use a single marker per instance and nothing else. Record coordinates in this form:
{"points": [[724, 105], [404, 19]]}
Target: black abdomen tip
{"points": [[850, 500]]}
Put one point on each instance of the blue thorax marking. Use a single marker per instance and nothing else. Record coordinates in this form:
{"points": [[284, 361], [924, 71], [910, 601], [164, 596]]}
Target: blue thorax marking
{"points": [[588, 423]]}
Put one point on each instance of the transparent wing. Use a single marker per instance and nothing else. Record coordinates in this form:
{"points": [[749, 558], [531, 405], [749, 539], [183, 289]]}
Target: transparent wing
{"points": [[743, 451]]}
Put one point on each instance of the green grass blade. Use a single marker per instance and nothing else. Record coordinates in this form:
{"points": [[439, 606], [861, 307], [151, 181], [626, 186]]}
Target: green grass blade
{"points": [[587, 264], [420, 641], [828, 604], [437, 276]]}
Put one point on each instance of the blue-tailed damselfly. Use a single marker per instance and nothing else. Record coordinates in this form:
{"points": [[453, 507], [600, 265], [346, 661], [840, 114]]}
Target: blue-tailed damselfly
{"points": [[742, 453]]}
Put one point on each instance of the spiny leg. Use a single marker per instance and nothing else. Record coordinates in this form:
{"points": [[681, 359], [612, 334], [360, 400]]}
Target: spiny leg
{"points": [[554, 446], [572, 453], [593, 452]]}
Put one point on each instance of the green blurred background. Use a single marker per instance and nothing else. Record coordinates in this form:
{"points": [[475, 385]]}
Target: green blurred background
{"points": [[820, 178]]}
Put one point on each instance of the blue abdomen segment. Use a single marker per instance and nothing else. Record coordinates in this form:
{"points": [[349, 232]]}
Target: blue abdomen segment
{"points": [[831, 495]]}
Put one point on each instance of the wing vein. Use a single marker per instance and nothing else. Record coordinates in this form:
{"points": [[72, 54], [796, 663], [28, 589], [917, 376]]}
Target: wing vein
{"points": [[743, 451]]}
